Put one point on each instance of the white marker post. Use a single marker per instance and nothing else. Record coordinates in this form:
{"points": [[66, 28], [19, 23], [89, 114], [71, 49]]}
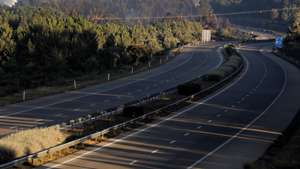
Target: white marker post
{"points": [[108, 77], [132, 70], [24, 95], [75, 84]]}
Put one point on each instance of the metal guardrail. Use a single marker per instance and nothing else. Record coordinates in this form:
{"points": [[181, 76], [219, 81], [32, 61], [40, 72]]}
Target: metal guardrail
{"points": [[118, 126]]}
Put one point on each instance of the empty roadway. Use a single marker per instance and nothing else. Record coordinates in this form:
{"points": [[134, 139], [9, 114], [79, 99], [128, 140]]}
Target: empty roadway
{"points": [[193, 62], [224, 131]]}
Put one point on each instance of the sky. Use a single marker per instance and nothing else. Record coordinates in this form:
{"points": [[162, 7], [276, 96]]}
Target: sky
{"points": [[8, 2]]}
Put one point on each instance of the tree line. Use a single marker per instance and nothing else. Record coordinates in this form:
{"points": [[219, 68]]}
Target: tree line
{"points": [[41, 46]]}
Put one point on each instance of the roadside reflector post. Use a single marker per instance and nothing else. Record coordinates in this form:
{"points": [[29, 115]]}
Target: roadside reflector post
{"points": [[24, 95], [75, 84], [132, 70], [108, 76]]}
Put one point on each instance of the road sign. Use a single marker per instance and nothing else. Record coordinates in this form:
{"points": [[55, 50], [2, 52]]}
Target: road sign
{"points": [[206, 35], [279, 42]]}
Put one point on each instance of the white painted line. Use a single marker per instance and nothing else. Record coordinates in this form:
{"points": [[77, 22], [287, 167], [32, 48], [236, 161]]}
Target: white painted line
{"points": [[187, 134], [199, 127], [172, 142], [133, 162], [154, 151], [158, 123], [209, 121], [246, 127]]}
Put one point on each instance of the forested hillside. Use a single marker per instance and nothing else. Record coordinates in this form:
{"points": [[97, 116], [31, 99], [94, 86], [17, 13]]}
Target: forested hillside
{"points": [[41, 46], [274, 19]]}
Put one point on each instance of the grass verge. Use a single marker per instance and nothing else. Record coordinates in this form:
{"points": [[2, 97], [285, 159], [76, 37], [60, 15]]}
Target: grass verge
{"points": [[29, 141]]}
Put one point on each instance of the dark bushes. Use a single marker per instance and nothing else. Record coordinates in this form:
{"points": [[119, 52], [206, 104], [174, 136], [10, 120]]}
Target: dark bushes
{"points": [[133, 111], [188, 89]]}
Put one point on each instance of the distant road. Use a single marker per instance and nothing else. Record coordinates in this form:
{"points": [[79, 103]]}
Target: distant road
{"points": [[193, 62], [224, 131]]}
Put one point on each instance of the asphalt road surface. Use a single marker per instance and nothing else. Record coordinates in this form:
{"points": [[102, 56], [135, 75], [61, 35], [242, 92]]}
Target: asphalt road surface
{"points": [[193, 62], [227, 129]]}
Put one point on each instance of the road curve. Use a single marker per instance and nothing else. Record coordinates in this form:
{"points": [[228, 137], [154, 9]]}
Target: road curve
{"points": [[193, 62], [224, 131]]}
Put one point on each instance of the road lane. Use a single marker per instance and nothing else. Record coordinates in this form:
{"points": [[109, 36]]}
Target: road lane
{"points": [[193, 62], [192, 138]]}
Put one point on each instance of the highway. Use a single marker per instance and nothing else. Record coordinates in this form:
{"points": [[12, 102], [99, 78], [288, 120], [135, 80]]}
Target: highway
{"points": [[223, 131], [193, 62]]}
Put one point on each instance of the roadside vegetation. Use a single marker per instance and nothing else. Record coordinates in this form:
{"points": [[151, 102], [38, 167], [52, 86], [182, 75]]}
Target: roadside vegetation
{"points": [[43, 47], [29, 141]]}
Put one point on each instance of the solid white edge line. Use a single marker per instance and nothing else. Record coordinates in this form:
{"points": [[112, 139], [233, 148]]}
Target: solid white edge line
{"points": [[156, 124], [247, 126]]}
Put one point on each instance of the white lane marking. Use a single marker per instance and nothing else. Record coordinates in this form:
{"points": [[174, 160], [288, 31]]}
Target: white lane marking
{"points": [[209, 121], [199, 127], [187, 134], [133, 162], [247, 126], [100, 94], [154, 151], [172, 142], [158, 123]]}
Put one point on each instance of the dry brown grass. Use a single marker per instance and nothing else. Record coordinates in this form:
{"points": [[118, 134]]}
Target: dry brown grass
{"points": [[29, 141]]}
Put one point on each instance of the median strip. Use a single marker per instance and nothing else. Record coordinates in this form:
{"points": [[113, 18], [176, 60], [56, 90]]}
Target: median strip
{"points": [[98, 126]]}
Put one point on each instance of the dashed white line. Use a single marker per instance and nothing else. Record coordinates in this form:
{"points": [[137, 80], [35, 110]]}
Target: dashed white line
{"points": [[187, 134], [172, 142], [154, 151], [133, 162], [199, 127], [209, 121], [156, 124], [245, 127]]}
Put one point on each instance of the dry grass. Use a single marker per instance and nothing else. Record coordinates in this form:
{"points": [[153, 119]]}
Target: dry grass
{"points": [[29, 141]]}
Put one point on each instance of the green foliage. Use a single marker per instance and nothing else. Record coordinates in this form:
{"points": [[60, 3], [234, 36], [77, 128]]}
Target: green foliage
{"points": [[40, 46]]}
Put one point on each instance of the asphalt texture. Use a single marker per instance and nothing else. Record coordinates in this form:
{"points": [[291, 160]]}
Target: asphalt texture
{"points": [[224, 131], [193, 62]]}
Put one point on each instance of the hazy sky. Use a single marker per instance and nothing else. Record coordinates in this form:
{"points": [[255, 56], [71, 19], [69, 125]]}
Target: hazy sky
{"points": [[8, 2]]}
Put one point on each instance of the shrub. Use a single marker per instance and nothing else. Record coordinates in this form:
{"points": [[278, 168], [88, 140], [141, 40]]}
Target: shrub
{"points": [[216, 75], [133, 111], [29, 141], [188, 89]]}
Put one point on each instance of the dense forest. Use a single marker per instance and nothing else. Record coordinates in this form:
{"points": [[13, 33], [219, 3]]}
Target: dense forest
{"points": [[40, 46]]}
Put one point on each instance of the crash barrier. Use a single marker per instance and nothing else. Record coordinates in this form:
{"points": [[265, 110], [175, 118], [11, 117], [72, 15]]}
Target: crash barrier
{"points": [[58, 151]]}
